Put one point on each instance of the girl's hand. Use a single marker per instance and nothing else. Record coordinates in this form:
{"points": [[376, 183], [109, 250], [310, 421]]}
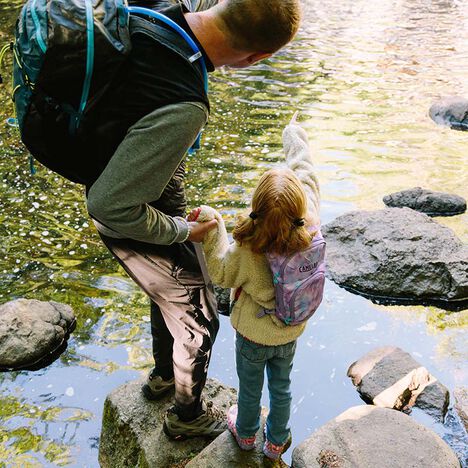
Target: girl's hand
{"points": [[194, 214], [198, 231]]}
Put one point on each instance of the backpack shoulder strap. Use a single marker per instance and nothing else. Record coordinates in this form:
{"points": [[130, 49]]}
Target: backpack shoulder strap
{"points": [[170, 39]]}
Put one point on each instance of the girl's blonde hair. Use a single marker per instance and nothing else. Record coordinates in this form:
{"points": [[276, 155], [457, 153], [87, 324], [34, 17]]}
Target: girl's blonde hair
{"points": [[278, 221]]}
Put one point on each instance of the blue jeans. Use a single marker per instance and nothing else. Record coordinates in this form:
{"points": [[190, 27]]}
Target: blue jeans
{"points": [[251, 360]]}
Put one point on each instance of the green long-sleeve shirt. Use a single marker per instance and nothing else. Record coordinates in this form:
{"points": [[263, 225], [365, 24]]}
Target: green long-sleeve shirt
{"points": [[138, 172]]}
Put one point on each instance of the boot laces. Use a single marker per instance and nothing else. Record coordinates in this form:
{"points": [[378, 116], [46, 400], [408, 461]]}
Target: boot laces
{"points": [[213, 412]]}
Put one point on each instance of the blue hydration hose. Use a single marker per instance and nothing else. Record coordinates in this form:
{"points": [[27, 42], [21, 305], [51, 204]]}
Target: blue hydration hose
{"points": [[196, 51]]}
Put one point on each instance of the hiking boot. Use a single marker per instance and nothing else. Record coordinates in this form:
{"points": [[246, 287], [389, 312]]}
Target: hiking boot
{"points": [[273, 452], [156, 387], [247, 443], [210, 423]]}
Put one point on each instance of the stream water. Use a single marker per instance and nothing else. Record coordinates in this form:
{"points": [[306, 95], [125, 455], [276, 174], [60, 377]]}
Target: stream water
{"points": [[363, 75]]}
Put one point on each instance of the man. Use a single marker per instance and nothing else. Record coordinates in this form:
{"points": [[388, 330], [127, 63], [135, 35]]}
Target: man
{"points": [[148, 120]]}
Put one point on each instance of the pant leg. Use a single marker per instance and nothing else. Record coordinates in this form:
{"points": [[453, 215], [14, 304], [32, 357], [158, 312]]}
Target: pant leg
{"points": [[279, 385], [250, 363], [171, 276], [163, 343]]}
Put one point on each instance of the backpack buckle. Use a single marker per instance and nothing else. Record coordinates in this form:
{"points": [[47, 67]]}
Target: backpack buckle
{"points": [[195, 57]]}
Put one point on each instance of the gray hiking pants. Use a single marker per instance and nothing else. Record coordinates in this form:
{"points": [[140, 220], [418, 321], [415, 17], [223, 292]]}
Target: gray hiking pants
{"points": [[184, 320]]}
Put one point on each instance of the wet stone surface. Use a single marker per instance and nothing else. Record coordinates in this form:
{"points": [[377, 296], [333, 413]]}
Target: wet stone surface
{"points": [[224, 452], [398, 254], [132, 428], [32, 332], [451, 111], [427, 201], [365, 437], [389, 377], [461, 404]]}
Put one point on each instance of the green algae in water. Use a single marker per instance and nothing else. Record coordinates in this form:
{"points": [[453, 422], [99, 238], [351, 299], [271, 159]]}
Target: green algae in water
{"points": [[362, 75]]}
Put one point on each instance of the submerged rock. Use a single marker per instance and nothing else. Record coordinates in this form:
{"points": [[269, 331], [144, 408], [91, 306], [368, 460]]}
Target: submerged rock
{"points": [[427, 201], [399, 255], [370, 437], [461, 404], [224, 452], [31, 332], [132, 428], [223, 300], [451, 111], [391, 378]]}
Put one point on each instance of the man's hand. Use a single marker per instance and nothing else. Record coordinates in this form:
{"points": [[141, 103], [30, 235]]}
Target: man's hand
{"points": [[198, 231]]}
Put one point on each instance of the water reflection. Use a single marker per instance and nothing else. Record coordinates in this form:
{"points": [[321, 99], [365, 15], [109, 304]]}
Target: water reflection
{"points": [[363, 75]]}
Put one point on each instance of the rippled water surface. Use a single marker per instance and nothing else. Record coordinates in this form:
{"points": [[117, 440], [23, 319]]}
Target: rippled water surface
{"points": [[363, 75]]}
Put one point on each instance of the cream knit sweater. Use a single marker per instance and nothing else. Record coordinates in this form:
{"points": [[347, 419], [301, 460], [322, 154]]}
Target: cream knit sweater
{"points": [[233, 266]]}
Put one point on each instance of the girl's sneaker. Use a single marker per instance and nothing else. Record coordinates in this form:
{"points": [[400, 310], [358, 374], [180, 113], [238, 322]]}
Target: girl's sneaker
{"points": [[274, 452], [247, 443]]}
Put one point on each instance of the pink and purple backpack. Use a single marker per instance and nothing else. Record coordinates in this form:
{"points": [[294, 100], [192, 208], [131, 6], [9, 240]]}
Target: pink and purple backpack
{"points": [[299, 281]]}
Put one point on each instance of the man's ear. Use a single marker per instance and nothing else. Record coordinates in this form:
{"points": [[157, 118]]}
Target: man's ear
{"points": [[257, 56]]}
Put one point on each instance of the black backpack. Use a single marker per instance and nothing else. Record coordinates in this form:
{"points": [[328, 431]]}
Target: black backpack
{"points": [[66, 55]]}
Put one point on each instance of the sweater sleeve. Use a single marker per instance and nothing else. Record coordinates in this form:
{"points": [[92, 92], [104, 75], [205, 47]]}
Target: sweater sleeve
{"points": [[222, 261], [139, 171], [299, 160]]}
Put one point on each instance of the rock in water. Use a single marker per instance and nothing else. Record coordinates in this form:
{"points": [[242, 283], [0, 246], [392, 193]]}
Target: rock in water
{"points": [[370, 437], [31, 331], [461, 404], [400, 255], [451, 111], [132, 428], [223, 300], [224, 452], [391, 378], [427, 201]]}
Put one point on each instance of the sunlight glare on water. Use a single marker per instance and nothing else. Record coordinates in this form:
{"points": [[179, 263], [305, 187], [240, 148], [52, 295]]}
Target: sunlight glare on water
{"points": [[363, 75]]}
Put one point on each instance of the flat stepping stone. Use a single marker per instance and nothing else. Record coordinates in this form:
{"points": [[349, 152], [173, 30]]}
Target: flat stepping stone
{"points": [[427, 201], [398, 255], [224, 452], [391, 378], [370, 437], [451, 111], [132, 428], [33, 333]]}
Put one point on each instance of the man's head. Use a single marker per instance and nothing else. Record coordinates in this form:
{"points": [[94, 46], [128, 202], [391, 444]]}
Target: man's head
{"points": [[239, 33], [259, 26]]}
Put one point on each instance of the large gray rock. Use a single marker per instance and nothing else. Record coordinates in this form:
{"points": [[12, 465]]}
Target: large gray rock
{"points": [[451, 111], [132, 434], [391, 378], [427, 201], [371, 437], [398, 254], [461, 404], [31, 331], [224, 452]]}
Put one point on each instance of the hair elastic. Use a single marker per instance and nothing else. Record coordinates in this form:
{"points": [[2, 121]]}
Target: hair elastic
{"points": [[299, 222], [253, 215]]}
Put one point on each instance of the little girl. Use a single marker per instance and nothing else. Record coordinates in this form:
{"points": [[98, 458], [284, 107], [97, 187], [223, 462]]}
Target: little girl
{"points": [[285, 210]]}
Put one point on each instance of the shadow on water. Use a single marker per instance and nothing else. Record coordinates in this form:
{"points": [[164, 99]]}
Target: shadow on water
{"points": [[363, 76], [451, 306]]}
